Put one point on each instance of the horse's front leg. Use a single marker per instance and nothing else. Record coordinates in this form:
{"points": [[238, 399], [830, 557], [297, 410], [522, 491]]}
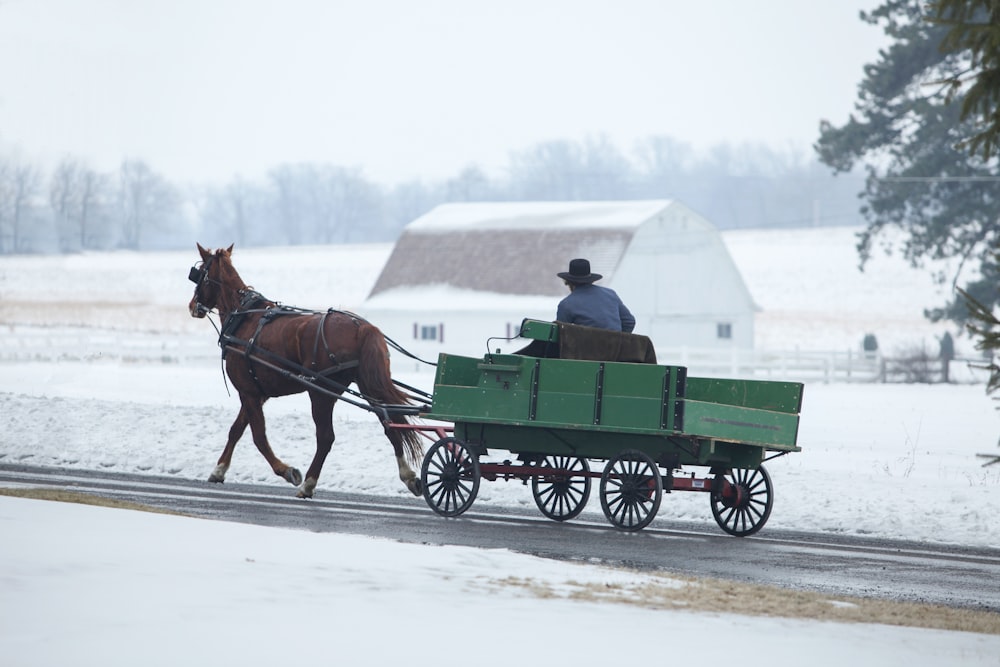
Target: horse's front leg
{"points": [[235, 433], [254, 409]]}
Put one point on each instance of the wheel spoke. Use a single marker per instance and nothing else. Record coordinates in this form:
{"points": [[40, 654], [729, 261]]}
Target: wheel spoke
{"points": [[747, 508], [562, 494], [450, 474], [631, 490]]}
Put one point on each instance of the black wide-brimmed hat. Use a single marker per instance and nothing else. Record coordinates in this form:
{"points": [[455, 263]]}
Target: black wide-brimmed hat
{"points": [[579, 272]]}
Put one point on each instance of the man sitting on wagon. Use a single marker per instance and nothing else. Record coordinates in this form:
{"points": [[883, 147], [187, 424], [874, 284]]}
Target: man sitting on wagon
{"points": [[591, 305]]}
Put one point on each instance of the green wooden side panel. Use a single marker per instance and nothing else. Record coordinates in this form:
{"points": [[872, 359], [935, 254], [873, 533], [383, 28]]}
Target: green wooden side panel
{"points": [[763, 395], [633, 396], [454, 370], [566, 391], [465, 386], [777, 430]]}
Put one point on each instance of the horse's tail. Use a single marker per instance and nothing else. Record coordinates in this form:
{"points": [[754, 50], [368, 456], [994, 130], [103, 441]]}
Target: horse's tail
{"points": [[375, 381]]}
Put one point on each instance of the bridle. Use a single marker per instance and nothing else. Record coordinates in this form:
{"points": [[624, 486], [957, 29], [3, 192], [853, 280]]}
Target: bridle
{"points": [[247, 296], [199, 276]]}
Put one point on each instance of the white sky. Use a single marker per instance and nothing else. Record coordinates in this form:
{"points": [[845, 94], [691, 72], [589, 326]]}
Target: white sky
{"points": [[204, 90]]}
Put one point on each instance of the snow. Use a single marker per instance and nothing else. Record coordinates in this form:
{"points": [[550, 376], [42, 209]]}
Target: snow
{"points": [[537, 215], [812, 295], [83, 585], [460, 299]]}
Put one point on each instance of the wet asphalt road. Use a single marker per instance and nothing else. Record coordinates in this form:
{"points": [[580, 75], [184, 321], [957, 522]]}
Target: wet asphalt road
{"points": [[841, 565]]}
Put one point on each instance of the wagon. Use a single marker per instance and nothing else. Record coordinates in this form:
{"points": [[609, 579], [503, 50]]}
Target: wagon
{"points": [[556, 406]]}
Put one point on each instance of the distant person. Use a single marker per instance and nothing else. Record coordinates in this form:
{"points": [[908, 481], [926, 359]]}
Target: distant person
{"points": [[591, 305]]}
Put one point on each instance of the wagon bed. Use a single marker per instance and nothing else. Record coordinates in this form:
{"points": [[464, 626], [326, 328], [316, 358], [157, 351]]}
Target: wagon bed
{"points": [[648, 421]]}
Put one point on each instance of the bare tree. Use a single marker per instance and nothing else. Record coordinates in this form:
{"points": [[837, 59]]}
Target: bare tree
{"points": [[349, 203], [569, 171], [325, 203], [64, 198], [146, 201], [19, 187], [77, 195], [289, 202], [471, 184]]}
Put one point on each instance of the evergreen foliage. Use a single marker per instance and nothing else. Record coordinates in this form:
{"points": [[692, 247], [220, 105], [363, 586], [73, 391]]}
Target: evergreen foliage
{"points": [[984, 328], [974, 28], [910, 140]]}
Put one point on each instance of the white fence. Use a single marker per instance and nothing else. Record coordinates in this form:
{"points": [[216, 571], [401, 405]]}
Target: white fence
{"points": [[785, 365], [79, 344], [25, 344]]}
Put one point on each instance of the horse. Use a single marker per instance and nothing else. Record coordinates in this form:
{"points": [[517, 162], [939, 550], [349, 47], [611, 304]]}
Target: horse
{"points": [[262, 340]]}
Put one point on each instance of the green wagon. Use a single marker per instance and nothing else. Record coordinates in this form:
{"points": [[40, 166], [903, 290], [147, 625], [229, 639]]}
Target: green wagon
{"points": [[646, 421]]}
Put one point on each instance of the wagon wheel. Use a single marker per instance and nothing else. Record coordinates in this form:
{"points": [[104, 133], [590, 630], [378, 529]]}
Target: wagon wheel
{"points": [[562, 497], [744, 511], [631, 490], [451, 477]]}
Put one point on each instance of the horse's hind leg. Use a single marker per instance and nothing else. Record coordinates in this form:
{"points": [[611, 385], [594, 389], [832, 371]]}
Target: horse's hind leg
{"points": [[235, 433], [322, 414], [254, 409], [406, 474]]}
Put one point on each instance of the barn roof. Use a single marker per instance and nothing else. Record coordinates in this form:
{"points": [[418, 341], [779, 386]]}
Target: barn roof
{"points": [[512, 247]]}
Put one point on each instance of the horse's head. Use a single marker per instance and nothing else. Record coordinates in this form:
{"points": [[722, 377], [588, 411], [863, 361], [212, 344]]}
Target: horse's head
{"points": [[211, 277]]}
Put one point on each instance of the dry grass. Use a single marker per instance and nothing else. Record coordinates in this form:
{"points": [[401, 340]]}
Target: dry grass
{"points": [[64, 496], [720, 596]]}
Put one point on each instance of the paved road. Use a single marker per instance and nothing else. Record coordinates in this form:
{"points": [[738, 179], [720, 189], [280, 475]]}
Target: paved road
{"points": [[941, 574]]}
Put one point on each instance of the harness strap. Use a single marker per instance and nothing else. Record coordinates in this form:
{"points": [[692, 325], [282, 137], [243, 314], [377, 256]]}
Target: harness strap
{"points": [[248, 352]]}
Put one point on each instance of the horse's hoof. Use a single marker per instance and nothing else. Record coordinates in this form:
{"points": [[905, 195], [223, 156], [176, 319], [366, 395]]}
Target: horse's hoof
{"points": [[293, 476], [218, 475], [415, 486], [306, 490]]}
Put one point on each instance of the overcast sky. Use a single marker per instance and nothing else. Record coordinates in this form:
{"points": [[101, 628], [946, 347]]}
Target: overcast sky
{"points": [[204, 90]]}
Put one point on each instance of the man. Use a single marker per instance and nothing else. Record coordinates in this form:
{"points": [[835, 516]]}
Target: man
{"points": [[591, 305]]}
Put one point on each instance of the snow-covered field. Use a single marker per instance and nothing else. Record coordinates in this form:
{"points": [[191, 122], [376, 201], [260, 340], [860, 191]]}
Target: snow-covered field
{"points": [[92, 586]]}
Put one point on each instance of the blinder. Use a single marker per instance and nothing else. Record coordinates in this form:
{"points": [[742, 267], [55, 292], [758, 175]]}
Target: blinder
{"points": [[196, 275]]}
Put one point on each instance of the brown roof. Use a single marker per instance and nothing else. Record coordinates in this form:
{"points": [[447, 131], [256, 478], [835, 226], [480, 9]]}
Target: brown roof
{"points": [[514, 261]]}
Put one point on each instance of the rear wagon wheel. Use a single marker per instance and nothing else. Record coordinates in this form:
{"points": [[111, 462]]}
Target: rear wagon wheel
{"points": [[745, 509]]}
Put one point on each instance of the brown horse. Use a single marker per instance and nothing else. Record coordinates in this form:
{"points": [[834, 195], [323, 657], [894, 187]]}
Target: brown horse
{"points": [[262, 341]]}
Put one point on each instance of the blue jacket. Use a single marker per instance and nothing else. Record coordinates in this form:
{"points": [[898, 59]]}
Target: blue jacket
{"points": [[595, 306]]}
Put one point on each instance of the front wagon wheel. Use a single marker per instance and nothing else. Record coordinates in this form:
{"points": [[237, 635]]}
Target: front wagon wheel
{"points": [[451, 477], [742, 500], [631, 490]]}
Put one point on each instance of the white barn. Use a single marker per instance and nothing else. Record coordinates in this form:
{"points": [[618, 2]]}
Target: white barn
{"points": [[464, 273]]}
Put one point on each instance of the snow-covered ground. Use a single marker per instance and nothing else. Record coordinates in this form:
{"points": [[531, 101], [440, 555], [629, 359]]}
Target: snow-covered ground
{"points": [[92, 586]]}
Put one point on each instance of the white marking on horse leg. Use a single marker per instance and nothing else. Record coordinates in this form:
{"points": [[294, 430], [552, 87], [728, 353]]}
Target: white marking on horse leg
{"points": [[307, 488], [408, 477], [219, 474]]}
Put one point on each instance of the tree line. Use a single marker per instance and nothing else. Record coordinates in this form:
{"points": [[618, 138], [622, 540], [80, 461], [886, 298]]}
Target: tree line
{"points": [[75, 207]]}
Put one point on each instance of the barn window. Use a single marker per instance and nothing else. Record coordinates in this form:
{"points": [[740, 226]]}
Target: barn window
{"points": [[724, 330]]}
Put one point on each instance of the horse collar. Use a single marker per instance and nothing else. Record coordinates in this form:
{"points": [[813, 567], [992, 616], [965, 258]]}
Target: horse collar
{"points": [[249, 298]]}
